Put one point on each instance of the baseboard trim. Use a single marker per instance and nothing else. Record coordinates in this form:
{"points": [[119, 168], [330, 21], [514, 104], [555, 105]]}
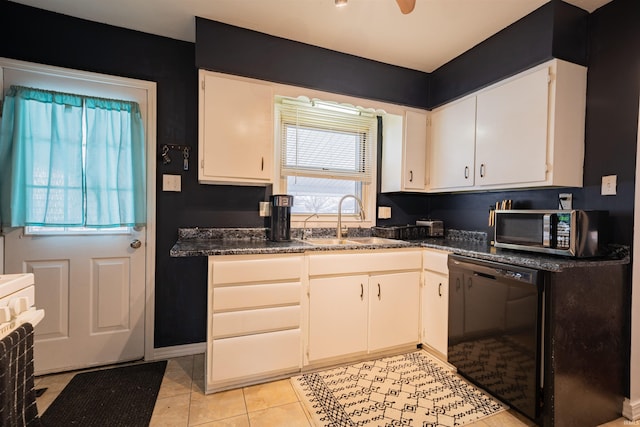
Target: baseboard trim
{"points": [[631, 410], [178, 351]]}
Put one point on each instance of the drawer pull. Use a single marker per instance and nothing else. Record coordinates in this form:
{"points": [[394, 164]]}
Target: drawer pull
{"points": [[361, 291], [379, 293], [439, 289]]}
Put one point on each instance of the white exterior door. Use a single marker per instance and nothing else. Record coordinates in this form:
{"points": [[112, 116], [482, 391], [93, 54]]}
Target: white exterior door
{"points": [[96, 289], [92, 288]]}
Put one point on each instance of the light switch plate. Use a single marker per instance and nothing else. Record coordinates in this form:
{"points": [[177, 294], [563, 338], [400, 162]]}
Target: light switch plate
{"points": [[609, 185], [171, 183]]}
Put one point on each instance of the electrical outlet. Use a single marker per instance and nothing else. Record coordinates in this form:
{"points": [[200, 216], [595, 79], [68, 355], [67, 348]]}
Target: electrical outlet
{"points": [[171, 183], [565, 201], [609, 185], [384, 212]]}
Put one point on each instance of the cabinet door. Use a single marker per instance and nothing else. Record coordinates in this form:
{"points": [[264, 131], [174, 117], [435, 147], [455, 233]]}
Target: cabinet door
{"points": [[337, 316], [236, 130], [394, 309], [452, 155], [511, 131], [435, 310], [415, 161], [252, 356]]}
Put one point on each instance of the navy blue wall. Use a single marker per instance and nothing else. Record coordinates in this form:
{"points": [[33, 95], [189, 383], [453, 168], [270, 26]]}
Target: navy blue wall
{"points": [[555, 30], [612, 112], [234, 50]]}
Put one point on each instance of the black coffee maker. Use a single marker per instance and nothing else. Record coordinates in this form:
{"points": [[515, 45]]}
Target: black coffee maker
{"points": [[280, 217]]}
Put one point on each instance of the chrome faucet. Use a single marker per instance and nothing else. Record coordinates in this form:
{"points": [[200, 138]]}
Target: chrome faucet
{"points": [[304, 225], [339, 227]]}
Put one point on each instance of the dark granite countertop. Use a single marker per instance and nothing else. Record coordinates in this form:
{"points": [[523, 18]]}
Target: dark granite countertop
{"points": [[239, 241], [484, 251]]}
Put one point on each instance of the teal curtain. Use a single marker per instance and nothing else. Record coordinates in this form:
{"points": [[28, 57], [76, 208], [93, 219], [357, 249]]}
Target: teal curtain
{"points": [[115, 175], [43, 178], [41, 159]]}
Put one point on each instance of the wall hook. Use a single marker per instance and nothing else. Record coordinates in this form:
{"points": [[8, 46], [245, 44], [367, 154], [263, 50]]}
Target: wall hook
{"points": [[165, 155], [184, 149]]}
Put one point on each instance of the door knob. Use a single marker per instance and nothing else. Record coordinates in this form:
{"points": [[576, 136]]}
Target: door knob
{"points": [[136, 244]]}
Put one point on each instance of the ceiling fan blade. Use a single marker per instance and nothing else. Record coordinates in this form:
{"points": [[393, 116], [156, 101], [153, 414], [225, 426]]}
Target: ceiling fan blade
{"points": [[406, 6]]}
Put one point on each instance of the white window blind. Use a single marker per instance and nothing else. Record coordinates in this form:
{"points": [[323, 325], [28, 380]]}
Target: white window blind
{"points": [[325, 140]]}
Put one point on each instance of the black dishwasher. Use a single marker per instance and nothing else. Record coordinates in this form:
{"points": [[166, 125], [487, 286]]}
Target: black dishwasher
{"points": [[495, 329]]}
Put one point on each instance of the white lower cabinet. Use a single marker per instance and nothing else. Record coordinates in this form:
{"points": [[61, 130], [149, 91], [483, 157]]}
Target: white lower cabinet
{"points": [[254, 328], [358, 303], [362, 302], [394, 312], [435, 300], [338, 316], [253, 357]]}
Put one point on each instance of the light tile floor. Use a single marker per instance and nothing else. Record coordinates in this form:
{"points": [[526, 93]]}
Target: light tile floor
{"points": [[182, 402]]}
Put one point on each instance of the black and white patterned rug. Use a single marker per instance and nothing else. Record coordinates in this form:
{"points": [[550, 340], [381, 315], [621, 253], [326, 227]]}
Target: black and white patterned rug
{"points": [[408, 390]]}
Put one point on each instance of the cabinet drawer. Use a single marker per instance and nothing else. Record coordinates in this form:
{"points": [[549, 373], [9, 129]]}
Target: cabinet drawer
{"points": [[254, 355], [435, 260], [239, 269], [333, 263], [255, 321], [255, 296]]}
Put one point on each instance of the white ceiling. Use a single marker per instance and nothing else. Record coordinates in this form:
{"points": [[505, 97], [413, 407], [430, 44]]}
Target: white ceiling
{"points": [[434, 33]]}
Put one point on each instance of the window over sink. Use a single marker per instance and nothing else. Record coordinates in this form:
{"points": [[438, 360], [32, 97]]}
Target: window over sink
{"points": [[326, 151]]}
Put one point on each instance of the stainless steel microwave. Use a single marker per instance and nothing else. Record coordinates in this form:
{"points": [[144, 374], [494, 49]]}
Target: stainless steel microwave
{"points": [[575, 233]]}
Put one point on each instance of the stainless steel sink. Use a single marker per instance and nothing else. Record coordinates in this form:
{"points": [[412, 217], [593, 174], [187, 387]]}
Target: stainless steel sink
{"points": [[329, 241], [351, 241], [374, 240]]}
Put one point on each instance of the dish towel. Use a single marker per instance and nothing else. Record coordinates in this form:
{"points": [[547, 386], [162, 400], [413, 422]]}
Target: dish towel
{"points": [[17, 395]]}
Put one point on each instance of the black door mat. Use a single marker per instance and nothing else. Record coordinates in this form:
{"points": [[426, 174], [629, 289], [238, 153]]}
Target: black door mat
{"points": [[113, 397]]}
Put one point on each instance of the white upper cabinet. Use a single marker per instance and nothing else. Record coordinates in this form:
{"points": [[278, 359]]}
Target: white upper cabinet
{"points": [[235, 130], [526, 131], [415, 141], [511, 131], [404, 145], [452, 155]]}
